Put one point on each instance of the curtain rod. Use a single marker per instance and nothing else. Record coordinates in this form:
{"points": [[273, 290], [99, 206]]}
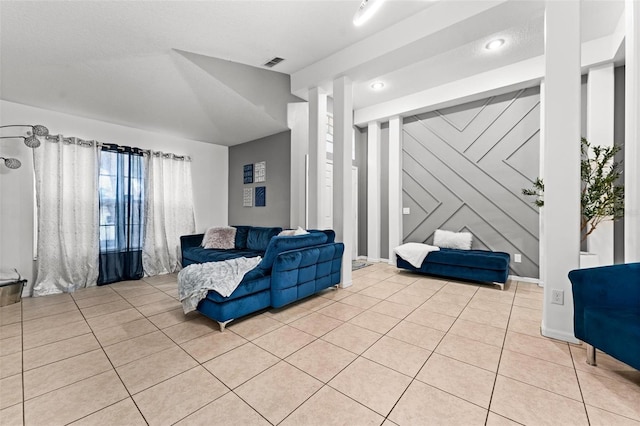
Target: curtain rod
{"points": [[83, 142]]}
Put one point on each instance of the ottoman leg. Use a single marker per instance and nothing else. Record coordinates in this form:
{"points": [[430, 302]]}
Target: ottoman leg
{"points": [[500, 284]]}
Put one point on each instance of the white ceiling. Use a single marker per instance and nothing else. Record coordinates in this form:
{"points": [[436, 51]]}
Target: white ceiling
{"points": [[164, 66]]}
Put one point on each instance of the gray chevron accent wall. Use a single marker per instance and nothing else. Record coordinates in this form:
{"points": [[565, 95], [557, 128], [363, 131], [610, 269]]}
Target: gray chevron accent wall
{"points": [[464, 168]]}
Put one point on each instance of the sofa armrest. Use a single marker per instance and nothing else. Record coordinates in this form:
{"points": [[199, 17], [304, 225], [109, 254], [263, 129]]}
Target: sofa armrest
{"points": [[187, 241], [616, 286], [302, 272], [330, 233], [278, 245]]}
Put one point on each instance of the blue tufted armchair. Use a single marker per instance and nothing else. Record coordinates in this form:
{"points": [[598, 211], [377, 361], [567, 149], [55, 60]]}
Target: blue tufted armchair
{"points": [[606, 303]]}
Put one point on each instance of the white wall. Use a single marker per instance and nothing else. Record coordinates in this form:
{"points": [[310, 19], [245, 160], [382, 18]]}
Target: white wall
{"points": [[209, 171]]}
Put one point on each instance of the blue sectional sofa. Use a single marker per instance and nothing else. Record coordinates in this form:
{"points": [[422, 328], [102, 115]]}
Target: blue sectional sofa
{"points": [[292, 268], [606, 311], [473, 265]]}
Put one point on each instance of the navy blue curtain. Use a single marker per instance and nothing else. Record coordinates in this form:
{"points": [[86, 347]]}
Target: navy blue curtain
{"points": [[121, 214]]}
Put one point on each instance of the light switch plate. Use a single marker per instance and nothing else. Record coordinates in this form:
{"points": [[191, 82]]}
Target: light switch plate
{"points": [[406, 210]]}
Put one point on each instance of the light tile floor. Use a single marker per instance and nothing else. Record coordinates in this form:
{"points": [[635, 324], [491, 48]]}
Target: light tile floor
{"points": [[394, 348]]}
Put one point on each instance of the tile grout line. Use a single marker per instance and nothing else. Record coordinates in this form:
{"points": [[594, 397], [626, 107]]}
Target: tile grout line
{"points": [[272, 366], [315, 338], [114, 370], [162, 381], [495, 380], [199, 364], [324, 384], [544, 360], [73, 383], [111, 363], [102, 348], [575, 371], [432, 352]]}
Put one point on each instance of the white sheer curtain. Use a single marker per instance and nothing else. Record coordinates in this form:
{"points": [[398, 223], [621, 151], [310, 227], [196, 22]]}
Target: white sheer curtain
{"points": [[67, 195], [168, 211]]}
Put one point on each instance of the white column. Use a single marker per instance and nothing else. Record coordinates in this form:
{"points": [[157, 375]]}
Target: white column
{"points": [[395, 186], [542, 256], [600, 127], [343, 222], [561, 163], [298, 122], [373, 192], [317, 154], [632, 133]]}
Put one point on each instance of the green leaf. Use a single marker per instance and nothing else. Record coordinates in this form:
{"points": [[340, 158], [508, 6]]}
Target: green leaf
{"points": [[602, 197]]}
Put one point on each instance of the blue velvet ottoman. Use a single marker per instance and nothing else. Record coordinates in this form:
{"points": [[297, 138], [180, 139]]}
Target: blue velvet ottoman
{"points": [[474, 265]]}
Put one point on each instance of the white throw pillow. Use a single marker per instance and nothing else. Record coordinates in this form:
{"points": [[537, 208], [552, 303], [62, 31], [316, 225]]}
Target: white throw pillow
{"points": [[222, 237], [292, 232], [453, 240], [300, 231]]}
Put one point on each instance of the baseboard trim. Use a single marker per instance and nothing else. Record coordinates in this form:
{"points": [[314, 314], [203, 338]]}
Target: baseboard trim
{"points": [[525, 279], [558, 334], [381, 260], [346, 284]]}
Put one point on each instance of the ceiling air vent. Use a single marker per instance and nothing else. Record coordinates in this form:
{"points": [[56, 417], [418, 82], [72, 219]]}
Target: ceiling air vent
{"points": [[272, 63]]}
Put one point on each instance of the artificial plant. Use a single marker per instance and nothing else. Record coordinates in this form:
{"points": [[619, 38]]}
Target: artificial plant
{"points": [[600, 198]]}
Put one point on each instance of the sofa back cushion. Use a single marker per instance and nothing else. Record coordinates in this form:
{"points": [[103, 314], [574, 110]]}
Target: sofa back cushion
{"points": [[279, 244], [258, 238], [330, 233], [241, 236]]}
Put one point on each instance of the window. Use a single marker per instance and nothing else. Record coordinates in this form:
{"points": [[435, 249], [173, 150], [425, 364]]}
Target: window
{"points": [[120, 198], [121, 194], [330, 138], [329, 133]]}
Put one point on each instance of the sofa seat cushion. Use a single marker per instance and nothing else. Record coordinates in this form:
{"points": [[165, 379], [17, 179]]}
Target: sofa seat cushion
{"points": [[235, 308], [478, 259], [203, 255], [253, 282], [624, 344]]}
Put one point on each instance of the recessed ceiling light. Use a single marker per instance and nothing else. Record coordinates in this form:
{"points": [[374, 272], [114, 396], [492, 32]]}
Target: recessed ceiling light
{"points": [[366, 10], [495, 44], [378, 85]]}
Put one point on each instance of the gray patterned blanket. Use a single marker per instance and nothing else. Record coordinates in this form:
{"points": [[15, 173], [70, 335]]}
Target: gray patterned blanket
{"points": [[196, 280]]}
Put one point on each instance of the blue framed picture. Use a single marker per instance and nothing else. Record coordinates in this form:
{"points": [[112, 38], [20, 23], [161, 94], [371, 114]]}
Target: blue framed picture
{"points": [[261, 196], [248, 173]]}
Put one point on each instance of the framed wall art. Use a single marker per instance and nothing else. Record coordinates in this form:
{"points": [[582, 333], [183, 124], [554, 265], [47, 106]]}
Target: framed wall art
{"points": [[248, 173], [247, 197], [260, 172], [261, 196]]}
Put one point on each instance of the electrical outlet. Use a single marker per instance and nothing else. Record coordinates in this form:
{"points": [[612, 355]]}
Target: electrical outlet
{"points": [[557, 297], [406, 210], [517, 258]]}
